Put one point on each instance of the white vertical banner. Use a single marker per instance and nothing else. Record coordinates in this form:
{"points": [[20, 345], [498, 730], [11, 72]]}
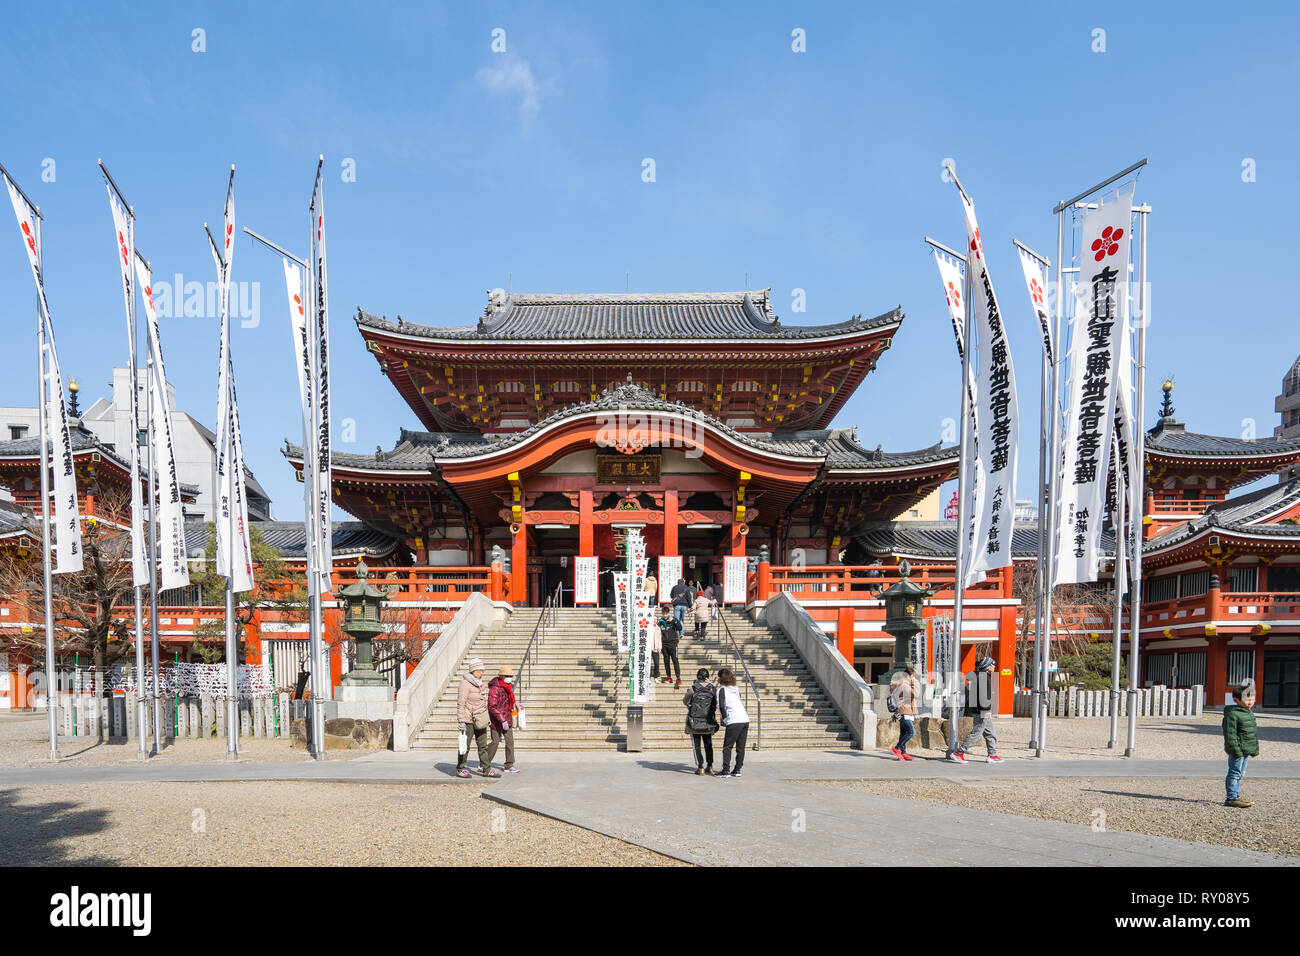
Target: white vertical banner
{"points": [[321, 337], [952, 276], [998, 410], [734, 579], [639, 660], [1036, 284], [171, 514], [234, 552], [670, 571], [1101, 316], [140, 573], [67, 519], [622, 609], [584, 580], [302, 339]]}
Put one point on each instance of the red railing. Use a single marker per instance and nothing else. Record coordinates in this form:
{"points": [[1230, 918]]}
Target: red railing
{"points": [[819, 582]]}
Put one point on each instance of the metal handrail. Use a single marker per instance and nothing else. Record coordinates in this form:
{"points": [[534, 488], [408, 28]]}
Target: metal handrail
{"points": [[549, 614], [758, 700]]}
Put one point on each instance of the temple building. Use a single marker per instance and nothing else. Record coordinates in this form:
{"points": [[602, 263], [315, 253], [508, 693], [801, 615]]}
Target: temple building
{"points": [[557, 422]]}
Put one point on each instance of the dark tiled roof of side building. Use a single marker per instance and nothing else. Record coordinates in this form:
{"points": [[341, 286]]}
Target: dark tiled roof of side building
{"points": [[351, 539], [1171, 437]]}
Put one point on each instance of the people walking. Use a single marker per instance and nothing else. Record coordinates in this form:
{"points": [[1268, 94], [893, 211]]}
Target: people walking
{"points": [[904, 692], [1240, 741], [502, 710], [702, 720], [651, 586], [472, 715], [980, 698], [681, 596], [702, 610], [670, 632], [736, 721]]}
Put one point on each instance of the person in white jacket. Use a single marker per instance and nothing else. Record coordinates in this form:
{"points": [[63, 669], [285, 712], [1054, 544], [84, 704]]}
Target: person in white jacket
{"points": [[731, 709]]}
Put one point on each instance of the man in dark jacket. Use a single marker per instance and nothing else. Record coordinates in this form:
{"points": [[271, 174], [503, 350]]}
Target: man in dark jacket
{"points": [[980, 700], [1240, 741], [670, 632], [702, 720], [681, 596]]}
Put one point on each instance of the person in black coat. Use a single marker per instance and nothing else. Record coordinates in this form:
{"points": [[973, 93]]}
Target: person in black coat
{"points": [[702, 720], [670, 632]]}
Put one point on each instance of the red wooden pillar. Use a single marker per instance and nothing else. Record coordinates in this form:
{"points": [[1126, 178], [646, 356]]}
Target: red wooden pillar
{"points": [[586, 524], [1259, 669], [844, 633], [519, 567], [496, 583], [1006, 658], [1216, 671], [764, 580], [670, 523], [737, 540]]}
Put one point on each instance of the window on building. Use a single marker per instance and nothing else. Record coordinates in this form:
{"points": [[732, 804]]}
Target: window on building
{"points": [[1284, 578], [1241, 666], [1162, 589], [1190, 668], [1160, 669], [1243, 579], [17, 431], [1193, 583]]}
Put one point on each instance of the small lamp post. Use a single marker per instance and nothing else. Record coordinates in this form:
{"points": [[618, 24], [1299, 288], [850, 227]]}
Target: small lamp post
{"points": [[903, 603], [362, 603]]}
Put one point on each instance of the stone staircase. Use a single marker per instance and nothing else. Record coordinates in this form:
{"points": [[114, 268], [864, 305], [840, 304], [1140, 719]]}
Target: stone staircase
{"points": [[577, 696]]}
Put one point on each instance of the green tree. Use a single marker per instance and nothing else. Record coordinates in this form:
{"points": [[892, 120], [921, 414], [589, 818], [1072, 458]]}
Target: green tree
{"points": [[279, 588], [1091, 668]]}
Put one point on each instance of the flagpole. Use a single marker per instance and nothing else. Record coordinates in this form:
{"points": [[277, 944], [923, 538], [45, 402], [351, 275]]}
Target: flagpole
{"points": [[52, 683], [1045, 585], [963, 491], [152, 540], [1117, 607], [1140, 436], [317, 642]]}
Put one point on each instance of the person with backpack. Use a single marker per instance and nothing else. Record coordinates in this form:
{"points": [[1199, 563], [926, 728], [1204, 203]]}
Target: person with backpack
{"points": [[1240, 741], [735, 719], [904, 692], [502, 709], [670, 632], [980, 698], [681, 596], [702, 720]]}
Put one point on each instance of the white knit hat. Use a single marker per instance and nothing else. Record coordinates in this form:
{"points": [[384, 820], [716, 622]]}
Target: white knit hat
{"points": [[475, 665]]}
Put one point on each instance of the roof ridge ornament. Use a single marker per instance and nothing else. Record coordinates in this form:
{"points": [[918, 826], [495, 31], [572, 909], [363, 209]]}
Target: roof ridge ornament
{"points": [[629, 392]]}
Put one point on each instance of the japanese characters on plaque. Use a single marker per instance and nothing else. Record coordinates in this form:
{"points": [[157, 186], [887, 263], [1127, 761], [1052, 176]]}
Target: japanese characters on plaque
{"points": [[734, 579], [644, 469], [584, 580]]}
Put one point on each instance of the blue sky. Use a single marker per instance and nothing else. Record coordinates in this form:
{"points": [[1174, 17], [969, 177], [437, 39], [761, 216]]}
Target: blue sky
{"points": [[817, 170]]}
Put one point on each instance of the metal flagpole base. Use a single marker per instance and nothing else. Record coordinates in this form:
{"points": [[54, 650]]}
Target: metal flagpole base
{"points": [[1132, 724]]}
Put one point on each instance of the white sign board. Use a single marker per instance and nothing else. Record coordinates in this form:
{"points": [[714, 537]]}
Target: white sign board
{"points": [[642, 646], [735, 574], [622, 609], [670, 572], [584, 580]]}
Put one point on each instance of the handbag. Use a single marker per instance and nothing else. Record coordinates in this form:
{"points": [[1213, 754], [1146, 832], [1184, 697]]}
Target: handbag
{"points": [[462, 742], [481, 721]]}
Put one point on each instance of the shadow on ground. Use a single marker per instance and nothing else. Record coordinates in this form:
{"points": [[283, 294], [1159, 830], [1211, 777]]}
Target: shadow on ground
{"points": [[30, 834]]}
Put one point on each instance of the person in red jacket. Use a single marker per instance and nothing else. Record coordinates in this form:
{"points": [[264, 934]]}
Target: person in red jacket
{"points": [[501, 712]]}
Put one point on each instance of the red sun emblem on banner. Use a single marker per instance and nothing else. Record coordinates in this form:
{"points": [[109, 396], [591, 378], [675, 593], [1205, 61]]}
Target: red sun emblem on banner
{"points": [[27, 234], [148, 297], [1108, 244], [298, 302], [320, 227], [977, 246], [229, 230], [1035, 292], [954, 296]]}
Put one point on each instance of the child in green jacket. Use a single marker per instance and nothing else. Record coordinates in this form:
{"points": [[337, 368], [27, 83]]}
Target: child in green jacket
{"points": [[1240, 740]]}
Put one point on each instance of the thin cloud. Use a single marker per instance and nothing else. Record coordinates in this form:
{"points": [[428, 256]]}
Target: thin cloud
{"points": [[514, 77]]}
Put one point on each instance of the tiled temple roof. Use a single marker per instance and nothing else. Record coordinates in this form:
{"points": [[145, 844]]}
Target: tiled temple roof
{"points": [[1171, 437], [633, 316], [351, 539]]}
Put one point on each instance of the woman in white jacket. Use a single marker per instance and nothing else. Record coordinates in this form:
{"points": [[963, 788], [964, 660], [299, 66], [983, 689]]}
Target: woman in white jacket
{"points": [[731, 709]]}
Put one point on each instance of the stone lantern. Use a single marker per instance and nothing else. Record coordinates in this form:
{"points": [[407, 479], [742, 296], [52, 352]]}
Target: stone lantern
{"points": [[365, 692], [903, 603]]}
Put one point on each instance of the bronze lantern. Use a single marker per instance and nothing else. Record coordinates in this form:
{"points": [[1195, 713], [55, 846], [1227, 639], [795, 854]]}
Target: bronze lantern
{"points": [[362, 603], [904, 601]]}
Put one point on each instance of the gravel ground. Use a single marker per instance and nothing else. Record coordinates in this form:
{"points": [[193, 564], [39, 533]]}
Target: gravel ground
{"points": [[1183, 738], [1180, 808], [25, 742], [281, 824]]}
